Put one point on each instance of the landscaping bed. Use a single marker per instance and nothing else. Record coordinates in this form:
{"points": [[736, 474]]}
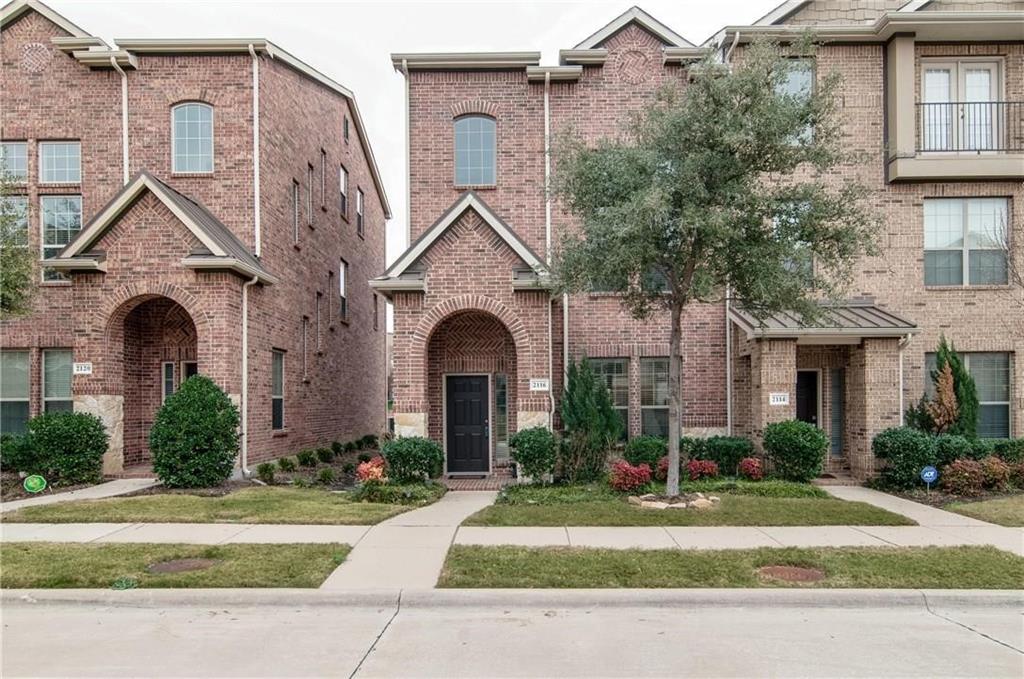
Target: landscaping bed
{"points": [[12, 488], [1007, 510], [60, 566], [760, 503], [861, 567], [251, 504]]}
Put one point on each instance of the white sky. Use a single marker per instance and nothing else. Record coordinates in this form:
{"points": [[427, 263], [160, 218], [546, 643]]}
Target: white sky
{"points": [[351, 42]]}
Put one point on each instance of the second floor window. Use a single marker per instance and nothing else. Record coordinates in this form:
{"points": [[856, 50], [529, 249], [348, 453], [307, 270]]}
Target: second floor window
{"points": [[62, 220], [60, 162], [475, 155], [15, 208], [359, 212], [193, 138], [309, 195], [14, 160], [343, 189], [342, 299], [798, 82], [295, 212], [965, 241]]}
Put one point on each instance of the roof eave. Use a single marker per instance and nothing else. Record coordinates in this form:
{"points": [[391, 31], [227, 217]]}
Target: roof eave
{"points": [[467, 61], [106, 58], [584, 57], [78, 264], [554, 73], [213, 263]]}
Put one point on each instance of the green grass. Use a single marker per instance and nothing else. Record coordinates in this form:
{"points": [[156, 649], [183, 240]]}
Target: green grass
{"points": [[868, 567], [778, 504], [1005, 511], [249, 505], [59, 566]]}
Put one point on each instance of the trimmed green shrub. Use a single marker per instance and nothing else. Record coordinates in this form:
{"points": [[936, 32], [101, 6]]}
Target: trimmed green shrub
{"points": [[949, 447], [325, 476], [350, 446], [963, 477], [906, 452], [727, 451], [194, 439], [691, 448], [535, 450], [363, 457], [413, 458], [16, 455], [399, 494], [265, 472], [592, 425], [337, 447], [286, 464], [796, 449], [349, 468], [645, 450], [982, 448], [369, 441], [325, 455], [306, 458], [66, 447], [1009, 450]]}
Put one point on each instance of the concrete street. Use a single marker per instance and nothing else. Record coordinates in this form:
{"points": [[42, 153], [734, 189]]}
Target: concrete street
{"points": [[710, 633]]}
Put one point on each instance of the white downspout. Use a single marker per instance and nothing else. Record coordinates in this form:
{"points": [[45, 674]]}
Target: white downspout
{"points": [[903, 345], [245, 376], [735, 41], [547, 244], [124, 117], [408, 158], [257, 223], [728, 365]]}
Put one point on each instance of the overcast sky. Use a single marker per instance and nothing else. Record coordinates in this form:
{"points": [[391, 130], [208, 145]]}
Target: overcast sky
{"points": [[351, 42]]}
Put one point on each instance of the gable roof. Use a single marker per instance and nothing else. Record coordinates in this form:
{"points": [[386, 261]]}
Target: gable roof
{"points": [[15, 8], [644, 20], [222, 249]]}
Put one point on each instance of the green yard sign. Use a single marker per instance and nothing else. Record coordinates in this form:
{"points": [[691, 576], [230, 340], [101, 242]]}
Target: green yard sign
{"points": [[34, 483]]}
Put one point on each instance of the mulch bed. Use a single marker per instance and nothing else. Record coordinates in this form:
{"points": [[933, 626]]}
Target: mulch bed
{"points": [[940, 498], [11, 488]]}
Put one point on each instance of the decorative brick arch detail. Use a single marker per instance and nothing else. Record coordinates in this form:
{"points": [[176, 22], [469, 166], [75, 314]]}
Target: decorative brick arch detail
{"points": [[453, 305], [469, 106]]}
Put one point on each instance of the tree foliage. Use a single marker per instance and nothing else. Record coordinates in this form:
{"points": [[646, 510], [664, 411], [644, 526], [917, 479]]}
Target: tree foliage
{"points": [[719, 186], [591, 424], [17, 260], [964, 389], [943, 409]]}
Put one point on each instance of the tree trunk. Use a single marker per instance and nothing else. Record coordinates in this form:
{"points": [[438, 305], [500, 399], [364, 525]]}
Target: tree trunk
{"points": [[674, 400]]}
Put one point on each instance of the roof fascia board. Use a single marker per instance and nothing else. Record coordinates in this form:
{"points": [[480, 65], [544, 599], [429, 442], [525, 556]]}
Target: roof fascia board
{"points": [[75, 264], [69, 44], [783, 11], [923, 24], [438, 61], [230, 264], [645, 20], [555, 73], [191, 45], [16, 8], [101, 58], [587, 57], [680, 55]]}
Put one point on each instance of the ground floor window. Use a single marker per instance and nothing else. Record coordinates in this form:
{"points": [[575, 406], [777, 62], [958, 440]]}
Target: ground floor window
{"points": [[654, 397], [615, 374], [991, 373], [500, 415], [277, 390], [166, 380], [14, 391], [57, 380]]}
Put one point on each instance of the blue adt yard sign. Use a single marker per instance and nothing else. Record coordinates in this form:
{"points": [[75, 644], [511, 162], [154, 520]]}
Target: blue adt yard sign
{"points": [[929, 475]]}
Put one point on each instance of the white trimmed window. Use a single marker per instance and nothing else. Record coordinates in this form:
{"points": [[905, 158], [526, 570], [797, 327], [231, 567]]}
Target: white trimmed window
{"points": [[323, 178], [965, 241], [319, 297], [277, 389], [359, 212], [309, 195], [991, 373], [475, 151], [376, 311], [654, 397], [342, 299], [57, 380], [798, 82], [344, 128], [15, 208], [192, 132], [61, 221], [295, 212], [14, 391], [14, 160], [614, 372], [60, 162], [166, 380], [343, 191]]}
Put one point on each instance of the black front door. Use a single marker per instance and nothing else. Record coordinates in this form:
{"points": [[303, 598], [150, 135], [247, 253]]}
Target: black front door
{"points": [[468, 436], [807, 396]]}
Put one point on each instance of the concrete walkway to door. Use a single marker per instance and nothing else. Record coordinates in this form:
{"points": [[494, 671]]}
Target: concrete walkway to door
{"points": [[408, 550]]}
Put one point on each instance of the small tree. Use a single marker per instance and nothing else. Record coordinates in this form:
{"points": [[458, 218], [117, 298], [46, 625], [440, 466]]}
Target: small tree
{"points": [[716, 189], [964, 389], [590, 422], [17, 260]]}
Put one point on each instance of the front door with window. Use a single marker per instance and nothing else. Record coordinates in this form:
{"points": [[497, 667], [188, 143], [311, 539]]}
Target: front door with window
{"points": [[807, 396], [467, 434]]}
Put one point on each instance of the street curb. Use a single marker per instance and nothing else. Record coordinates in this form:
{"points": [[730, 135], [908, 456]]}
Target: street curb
{"points": [[522, 598]]}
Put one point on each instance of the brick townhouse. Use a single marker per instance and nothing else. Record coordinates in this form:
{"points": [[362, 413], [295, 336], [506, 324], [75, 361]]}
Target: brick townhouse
{"points": [[931, 95], [199, 206]]}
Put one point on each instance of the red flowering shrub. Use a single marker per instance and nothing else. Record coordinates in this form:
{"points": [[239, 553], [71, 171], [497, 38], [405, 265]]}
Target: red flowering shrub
{"points": [[372, 470], [661, 472], [701, 469], [625, 477], [750, 468], [996, 473], [963, 477]]}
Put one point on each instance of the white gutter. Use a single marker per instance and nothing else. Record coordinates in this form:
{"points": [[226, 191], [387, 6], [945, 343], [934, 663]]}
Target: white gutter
{"points": [[728, 366], [408, 159], [124, 117], [257, 222], [245, 376], [547, 243], [902, 345]]}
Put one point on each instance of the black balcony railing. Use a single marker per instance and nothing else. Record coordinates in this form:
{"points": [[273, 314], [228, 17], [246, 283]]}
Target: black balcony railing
{"points": [[964, 126]]}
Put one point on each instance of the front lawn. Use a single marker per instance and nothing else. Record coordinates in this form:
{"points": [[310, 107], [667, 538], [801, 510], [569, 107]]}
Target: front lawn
{"points": [[871, 567], [249, 505], [60, 566], [1005, 511], [763, 503]]}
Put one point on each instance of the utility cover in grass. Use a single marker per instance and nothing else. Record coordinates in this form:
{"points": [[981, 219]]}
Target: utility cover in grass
{"points": [[791, 573], [182, 565]]}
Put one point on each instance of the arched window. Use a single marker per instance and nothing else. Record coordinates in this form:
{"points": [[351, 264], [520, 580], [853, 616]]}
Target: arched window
{"points": [[192, 137], [475, 151]]}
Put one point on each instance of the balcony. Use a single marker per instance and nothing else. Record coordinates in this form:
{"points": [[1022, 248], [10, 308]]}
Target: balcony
{"points": [[964, 140]]}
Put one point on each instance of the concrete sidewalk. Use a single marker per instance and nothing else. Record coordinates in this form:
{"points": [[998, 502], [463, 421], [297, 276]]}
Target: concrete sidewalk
{"points": [[923, 514], [186, 533], [97, 492], [408, 550]]}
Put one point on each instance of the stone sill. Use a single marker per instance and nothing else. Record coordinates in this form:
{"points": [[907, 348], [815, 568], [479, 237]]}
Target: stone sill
{"points": [[279, 433], [965, 288]]}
